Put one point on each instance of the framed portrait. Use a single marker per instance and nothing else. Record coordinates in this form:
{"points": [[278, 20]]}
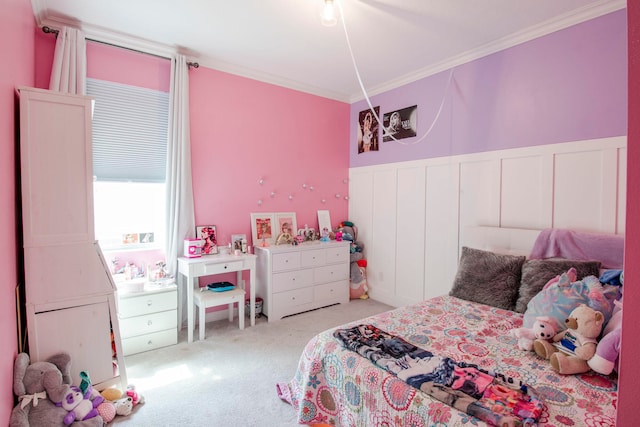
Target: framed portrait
{"points": [[237, 242], [208, 235], [263, 226], [368, 129], [286, 222], [324, 221]]}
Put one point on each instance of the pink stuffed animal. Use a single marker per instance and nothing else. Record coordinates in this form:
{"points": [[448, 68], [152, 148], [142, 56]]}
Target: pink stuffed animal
{"points": [[543, 328]]}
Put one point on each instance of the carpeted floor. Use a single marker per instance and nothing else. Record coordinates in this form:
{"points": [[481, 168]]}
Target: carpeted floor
{"points": [[229, 378]]}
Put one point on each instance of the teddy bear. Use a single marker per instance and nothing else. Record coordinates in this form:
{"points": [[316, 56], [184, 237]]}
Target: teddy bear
{"points": [[37, 386], [357, 273], [606, 358], [578, 342], [544, 328]]}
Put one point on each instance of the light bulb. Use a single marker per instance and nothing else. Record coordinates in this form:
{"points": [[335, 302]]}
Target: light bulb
{"points": [[259, 202], [290, 196], [328, 18], [273, 194]]}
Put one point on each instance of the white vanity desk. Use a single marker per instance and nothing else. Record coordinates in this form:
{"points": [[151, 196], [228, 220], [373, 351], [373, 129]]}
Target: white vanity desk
{"points": [[190, 269]]}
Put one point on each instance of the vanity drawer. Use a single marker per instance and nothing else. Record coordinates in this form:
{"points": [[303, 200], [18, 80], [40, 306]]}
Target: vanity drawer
{"points": [[290, 280], [147, 303], [149, 341], [331, 273], [286, 261], [154, 322]]}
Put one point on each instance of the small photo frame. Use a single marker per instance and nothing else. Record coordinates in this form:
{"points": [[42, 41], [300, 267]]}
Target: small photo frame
{"points": [[286, 222], [263, 227], [324, 221], [208, 235], [237, 242]]}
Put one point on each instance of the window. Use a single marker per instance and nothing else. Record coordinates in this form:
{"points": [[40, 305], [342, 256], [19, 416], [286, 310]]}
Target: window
{"points": [[129, 163]]}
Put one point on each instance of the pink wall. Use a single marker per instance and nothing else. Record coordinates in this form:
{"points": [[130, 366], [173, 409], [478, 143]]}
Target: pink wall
{"points": [[628, 414], [17, 29]]}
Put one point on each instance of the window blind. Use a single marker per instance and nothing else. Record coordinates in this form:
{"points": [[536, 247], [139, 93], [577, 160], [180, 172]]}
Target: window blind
{"points": [[130, 126]]}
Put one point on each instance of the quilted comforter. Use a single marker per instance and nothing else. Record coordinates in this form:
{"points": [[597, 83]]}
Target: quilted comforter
{"points": [[337, 386]]}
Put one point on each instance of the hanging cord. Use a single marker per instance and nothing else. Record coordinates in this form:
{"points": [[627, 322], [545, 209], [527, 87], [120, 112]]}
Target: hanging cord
{"points": [[366, 96]]}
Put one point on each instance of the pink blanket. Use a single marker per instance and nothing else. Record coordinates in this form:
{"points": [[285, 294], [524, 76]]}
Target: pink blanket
{"points": [[554, 242]]}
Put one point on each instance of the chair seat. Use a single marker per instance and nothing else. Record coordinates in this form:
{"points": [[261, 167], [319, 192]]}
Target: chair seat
{"points": [[205, 298]]}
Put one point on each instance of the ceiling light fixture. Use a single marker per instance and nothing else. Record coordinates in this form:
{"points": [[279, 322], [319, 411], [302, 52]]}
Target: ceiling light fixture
{"points": [[328, 17]]}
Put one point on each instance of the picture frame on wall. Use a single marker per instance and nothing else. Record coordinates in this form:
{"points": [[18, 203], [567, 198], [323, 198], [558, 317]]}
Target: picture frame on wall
{"points": [[263, 228], [208, 235]]}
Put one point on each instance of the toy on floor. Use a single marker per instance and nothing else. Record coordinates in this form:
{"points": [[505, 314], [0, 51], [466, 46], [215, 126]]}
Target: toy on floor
{"points": [[37, 386], [79, 405], [357, 272]]}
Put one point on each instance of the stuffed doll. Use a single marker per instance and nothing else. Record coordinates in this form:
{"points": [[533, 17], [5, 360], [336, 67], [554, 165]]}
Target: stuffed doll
{"points": [[37, 386], [605, 360], [544, 328], [79, 406], [578, 342]]}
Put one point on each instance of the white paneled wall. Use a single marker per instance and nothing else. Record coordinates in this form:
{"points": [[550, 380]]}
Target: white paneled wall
{"points": [[410, 215]]}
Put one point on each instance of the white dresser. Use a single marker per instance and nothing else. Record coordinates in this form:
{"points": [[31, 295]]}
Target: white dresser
{"points": [[148, 318], [292, 279]]}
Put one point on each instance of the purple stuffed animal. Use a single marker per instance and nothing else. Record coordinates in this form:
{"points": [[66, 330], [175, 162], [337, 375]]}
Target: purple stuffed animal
{"points": [[79, 405], [606, 358]]}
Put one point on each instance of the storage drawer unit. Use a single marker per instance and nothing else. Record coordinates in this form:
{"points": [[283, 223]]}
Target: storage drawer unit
{"points": [[293, 279], [149, 318]]}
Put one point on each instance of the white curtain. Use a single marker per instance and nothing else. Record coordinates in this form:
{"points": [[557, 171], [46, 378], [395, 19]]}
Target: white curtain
{"points": [[180, 215], [69, 70]]}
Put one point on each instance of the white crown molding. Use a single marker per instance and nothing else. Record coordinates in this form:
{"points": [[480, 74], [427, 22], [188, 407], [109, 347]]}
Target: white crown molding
{"points": [[558, 23]]}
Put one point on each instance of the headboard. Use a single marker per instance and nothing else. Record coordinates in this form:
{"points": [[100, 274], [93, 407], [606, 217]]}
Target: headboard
{"points": [[514, 241]]}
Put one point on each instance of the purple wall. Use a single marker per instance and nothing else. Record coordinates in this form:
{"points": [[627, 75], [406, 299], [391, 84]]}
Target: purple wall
{"points": [[567, 86]]}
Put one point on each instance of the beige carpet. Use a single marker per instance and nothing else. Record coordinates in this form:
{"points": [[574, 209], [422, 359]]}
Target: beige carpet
{"points": [[229, 378]]}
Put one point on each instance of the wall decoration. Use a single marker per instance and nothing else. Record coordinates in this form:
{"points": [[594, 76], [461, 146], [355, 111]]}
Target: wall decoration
{"points": [[263, 228], [368, 129], [239, 242], [129, 238], [400, 124], [209, 237]]}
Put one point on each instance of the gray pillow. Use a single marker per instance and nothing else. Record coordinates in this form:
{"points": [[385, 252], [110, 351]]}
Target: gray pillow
{"points": [[488, 278], [537, 272]]}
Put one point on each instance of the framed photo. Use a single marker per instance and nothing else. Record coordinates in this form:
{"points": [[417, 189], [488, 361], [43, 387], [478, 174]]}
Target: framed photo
{"points": [[286, 222], [399, 124], [324, 221], [236, 242], [263, 225], [209, 238]]}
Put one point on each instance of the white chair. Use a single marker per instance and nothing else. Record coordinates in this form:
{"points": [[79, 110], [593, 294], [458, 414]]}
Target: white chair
{"points": [[204, 298]]}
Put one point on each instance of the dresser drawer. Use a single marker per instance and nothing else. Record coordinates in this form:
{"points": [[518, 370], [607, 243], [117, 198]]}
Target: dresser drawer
{"points": [[286, 261], [147, 303], [219, 268], [293, 298], [153, 322], [149, 342], [312, 258], [337, 255], [290, 280], [336, 292], [330, 273]]}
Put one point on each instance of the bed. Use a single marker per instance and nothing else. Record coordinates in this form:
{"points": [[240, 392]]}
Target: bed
{"points": [[337, 386]]}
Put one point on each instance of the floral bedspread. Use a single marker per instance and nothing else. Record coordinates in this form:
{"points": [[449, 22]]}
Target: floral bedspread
{"points": [[337, 386]]}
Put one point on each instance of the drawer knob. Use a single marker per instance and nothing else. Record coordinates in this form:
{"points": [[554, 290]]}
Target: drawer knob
{"points": [[150, 342], [149, 323], [149, 303]]}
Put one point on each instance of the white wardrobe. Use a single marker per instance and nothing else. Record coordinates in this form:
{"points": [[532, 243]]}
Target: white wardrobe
{"points": [[69, 293]]}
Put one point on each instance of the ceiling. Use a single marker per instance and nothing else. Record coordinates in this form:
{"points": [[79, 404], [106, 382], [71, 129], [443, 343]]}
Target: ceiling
{"points": [[391, 42]]}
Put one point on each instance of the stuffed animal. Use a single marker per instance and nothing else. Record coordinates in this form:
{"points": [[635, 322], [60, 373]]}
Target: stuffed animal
{"points": [[136, 398], [79, 406], [37, 386], [359, 289], [350, 232], [124, 406], [578, 342], [608, 350], [544, 328]]}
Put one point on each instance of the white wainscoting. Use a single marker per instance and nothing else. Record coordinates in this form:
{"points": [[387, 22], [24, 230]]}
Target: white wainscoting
{"points": [[410, 215]]}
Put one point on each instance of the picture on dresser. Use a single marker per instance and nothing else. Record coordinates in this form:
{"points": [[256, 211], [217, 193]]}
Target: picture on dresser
{"points": [[263, 228], [239, 242], [287, 223], [209, 238]]}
